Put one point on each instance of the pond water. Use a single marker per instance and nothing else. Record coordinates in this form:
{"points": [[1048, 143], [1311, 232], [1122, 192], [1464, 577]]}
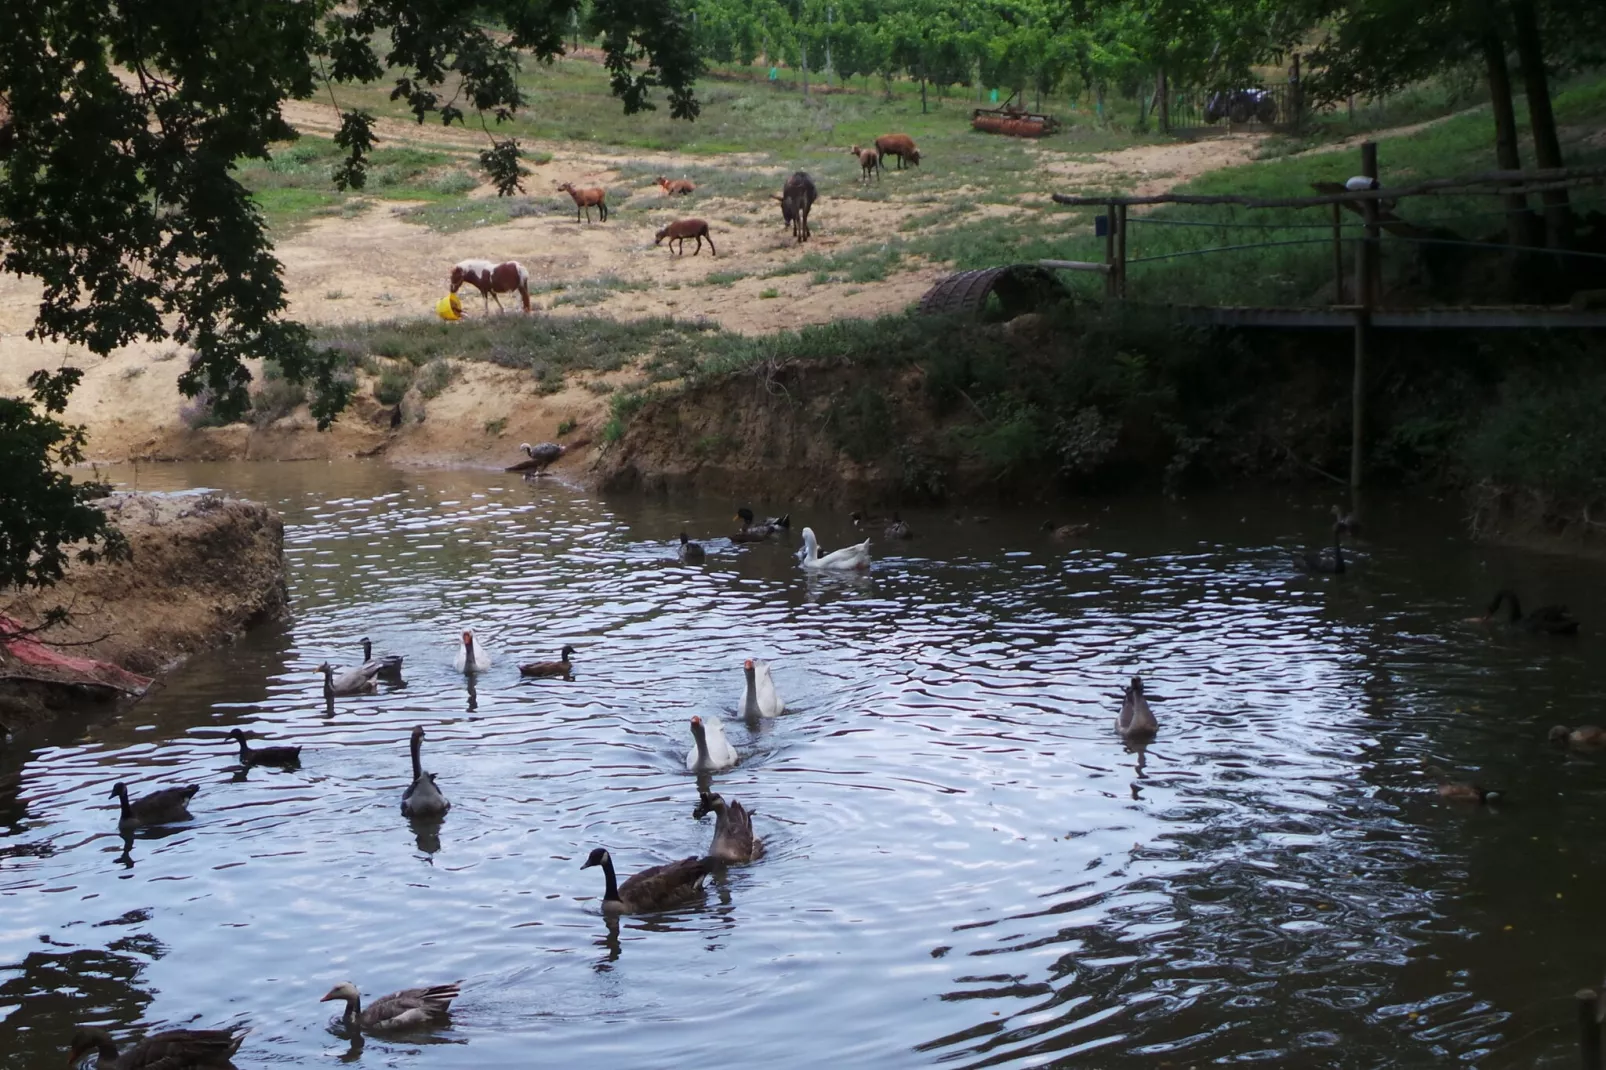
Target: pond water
{"points": [[965, 865]]}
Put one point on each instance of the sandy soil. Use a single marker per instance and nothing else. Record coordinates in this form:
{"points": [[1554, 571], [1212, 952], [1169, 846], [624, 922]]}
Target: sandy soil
{"points": [[130, 403]]}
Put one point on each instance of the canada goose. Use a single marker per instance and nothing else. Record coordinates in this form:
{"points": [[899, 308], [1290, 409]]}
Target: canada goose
{"points": [[537, 458], [690, 552], [389, 667], [1584, 737], [1318, 560], [658, 888], [753, 529], [1065, 531], [265, 755], [358, 681], [759, 698], [471, 658], [176, 1049], [733, 829], [161, 807], [1546, 620], [1136, 721], [897, 529], [422, 798], [710, 750], [848, 558], [411, 1008], [1461, 791], [562, 667]]}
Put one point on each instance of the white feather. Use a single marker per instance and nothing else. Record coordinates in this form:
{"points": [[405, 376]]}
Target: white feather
{"points": [[847, 558], [719, 754], [759, 697], [482, 657]]}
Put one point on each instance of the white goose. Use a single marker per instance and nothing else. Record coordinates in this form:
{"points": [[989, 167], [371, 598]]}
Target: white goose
{"points": [[711, 750], [759, 698], [471, 658], [848, 558]]}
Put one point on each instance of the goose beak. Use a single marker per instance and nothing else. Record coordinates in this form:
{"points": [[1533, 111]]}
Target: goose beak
{"points": [[748, 664]]}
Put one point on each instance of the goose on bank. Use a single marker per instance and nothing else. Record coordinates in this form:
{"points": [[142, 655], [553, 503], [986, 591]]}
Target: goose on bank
{"points": [[710, 751], [537, 458], [175, 1049], [411, 1008], [849, 558], [1136, 721], [422, 798], [562, 667], [759, 697], [1546, 620], [358, 681], [471, 658], [691, 553], [659, 888], [280, 756], [1321, 560], [387, 667], [162, 807], [733, 829]]}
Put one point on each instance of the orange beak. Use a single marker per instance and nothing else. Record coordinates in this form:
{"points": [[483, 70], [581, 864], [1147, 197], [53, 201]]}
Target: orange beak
{"points": [[748, 664]]}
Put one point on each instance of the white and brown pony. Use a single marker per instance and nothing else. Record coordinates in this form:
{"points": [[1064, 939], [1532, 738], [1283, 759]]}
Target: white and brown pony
{"points": [[491, 279]]}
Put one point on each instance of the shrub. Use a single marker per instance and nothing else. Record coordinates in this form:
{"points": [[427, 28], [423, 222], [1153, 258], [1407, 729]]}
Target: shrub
{"points": [[433, 377], [393, 384]]}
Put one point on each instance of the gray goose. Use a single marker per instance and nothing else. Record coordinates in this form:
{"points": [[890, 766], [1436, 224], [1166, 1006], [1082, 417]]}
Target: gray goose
{"points": [[733, 829], [158, 808], [539, 457], [386, 667], [280, 756], [659, 888], [176, 1049], [358, 681], [422, 798], [1136, 722], [411, 1008]]}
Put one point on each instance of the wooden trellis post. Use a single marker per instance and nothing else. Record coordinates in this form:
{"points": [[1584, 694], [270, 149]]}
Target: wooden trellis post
{"points": [[1365, 288]]}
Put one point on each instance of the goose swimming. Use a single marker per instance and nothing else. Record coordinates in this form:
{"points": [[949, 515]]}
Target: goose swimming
{"points": [[175, 1049], [422, 798], [759, 698], [710, 751], [562, 667], [471, 658], [358, 681], [249, 755], [846, 559], [387, 667], [1320, 560], [1584, 737], [733, 829], [1546, 620], [690, 552], [411, 1008], [658, 888], [162, 807], [1136, 722]]}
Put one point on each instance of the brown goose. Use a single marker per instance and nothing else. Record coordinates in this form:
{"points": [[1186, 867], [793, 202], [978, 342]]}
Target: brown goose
{"points": [[158, 808], [658, 888], [1065, 531], [733, 829], [1584, 737], [176, 1049], [1136, 721], [280, 756], [411, 1008], [1546, 620], [562, 667]]}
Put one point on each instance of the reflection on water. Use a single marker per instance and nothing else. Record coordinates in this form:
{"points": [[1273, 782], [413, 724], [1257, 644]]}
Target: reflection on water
{"points": [[964, 864]]}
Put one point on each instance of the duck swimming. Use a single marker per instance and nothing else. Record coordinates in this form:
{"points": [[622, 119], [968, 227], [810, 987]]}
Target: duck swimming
{"points": [[691, 553], [411, 1008], [562, 667], [175, 1049], [710, 751], [1546, 620], [756, 531], [280, 756], [759, 697], [733, 829]]}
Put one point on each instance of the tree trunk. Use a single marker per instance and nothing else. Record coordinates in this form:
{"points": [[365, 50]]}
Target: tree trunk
{"points": [[1518, 229], [1163, 91], [1547, 146], [922, 95], [804, 52]]}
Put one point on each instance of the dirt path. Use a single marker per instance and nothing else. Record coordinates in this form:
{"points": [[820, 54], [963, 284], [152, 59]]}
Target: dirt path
{"points": [[376, 265]]}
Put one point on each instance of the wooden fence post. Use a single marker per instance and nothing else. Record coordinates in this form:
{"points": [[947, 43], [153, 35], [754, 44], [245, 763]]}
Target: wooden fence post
{"points": [[1338, 254], [1295, 103], [1109, 251], [1365, 291], [1588, 1029], [1120, 253]]}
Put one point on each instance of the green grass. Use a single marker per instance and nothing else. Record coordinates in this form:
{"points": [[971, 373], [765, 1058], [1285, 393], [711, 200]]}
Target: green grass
{"points": [[294, 186]]}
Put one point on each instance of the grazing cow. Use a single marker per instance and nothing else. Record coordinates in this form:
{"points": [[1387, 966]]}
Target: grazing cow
{"points": [[900, 145], [491, 279], [796, 198], [681, 229]]}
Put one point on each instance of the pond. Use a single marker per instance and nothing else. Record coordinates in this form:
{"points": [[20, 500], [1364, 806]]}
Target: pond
{"points": [[965, 866]]}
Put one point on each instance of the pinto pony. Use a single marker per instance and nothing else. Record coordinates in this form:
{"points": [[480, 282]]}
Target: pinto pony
{"points": [[491, 278]]}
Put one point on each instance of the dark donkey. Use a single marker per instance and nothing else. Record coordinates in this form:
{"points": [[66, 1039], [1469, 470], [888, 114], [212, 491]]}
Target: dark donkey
{"points": [[796, 198]]}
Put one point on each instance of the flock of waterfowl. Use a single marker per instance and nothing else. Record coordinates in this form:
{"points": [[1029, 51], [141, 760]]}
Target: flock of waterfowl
{"points": [[676, 883]]}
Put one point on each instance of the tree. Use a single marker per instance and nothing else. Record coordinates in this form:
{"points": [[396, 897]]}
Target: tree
{"points": [[126, 119]]}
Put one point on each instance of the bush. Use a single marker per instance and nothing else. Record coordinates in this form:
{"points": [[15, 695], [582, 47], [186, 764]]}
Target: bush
{"points": [[433, 377], [275, 399], [1545, 433], [393, 384]]}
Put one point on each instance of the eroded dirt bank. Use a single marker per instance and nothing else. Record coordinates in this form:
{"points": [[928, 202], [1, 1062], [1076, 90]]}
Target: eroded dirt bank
{"points": [[204, 568]]}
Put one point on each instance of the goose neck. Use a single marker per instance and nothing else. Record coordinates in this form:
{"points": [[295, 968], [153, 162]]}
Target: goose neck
{"points": [[610, 892], [418, 765], [127, 810], [699, 736]]}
